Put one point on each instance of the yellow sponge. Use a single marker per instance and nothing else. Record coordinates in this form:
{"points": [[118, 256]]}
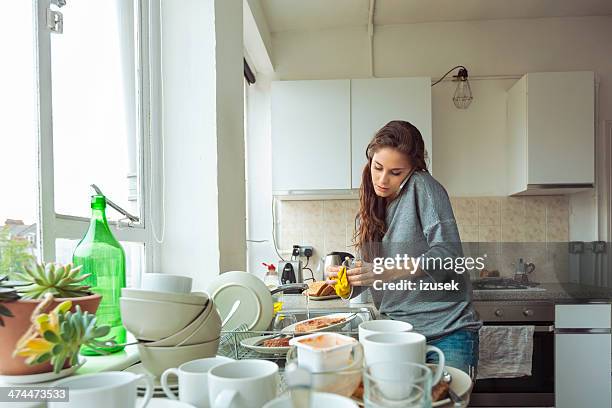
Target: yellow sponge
{"points": [[342, 286]]}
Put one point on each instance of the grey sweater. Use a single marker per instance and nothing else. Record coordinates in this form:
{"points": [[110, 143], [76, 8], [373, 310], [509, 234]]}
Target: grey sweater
{"points": [[420, 222]]}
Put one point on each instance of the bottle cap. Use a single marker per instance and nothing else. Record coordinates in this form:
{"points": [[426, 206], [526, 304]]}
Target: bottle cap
{"points": [[270, 267]]}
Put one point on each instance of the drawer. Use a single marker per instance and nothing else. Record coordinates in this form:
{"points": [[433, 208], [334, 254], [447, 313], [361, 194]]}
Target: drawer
{"points": [[583, 316]]}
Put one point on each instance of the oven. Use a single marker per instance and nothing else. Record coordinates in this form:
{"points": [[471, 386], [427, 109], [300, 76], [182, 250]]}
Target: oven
{"points": [[537, 390]]}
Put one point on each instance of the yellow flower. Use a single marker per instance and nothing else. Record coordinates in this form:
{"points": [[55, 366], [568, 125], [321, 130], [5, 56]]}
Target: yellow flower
{"points": [[36, 345], [45, 322], [34, 348]]}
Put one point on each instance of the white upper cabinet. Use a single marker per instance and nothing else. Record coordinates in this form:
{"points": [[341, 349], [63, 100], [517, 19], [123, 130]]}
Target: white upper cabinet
{"points": [[320, 129], [374, 102], [551, 134], [311, 138]]}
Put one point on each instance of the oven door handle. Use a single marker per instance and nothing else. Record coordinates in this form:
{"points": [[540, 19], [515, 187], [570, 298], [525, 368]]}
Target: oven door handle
{"points": [[545, 329]]}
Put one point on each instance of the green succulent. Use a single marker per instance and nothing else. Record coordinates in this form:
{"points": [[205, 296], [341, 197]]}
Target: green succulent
{"points": [[8, 293], [57, 336], [62, 281]]}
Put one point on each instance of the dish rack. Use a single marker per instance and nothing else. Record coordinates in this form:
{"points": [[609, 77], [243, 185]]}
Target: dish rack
{"points": [[229, 346]]}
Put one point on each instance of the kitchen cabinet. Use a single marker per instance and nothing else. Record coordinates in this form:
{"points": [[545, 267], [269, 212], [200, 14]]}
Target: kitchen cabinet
{"points": [[320, 129], [551, 133], [583, 356], [311, 135], [374, 102]]}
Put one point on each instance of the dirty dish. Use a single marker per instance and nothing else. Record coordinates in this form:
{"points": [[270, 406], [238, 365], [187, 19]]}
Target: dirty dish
{"points": [[256, 308]]}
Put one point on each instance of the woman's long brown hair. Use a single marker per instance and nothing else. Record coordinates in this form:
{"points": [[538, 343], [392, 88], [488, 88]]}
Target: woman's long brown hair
{"points": [[406, 138]]}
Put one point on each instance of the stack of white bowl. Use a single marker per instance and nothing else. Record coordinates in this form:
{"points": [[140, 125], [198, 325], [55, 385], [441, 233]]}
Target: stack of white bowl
{"points": [[172, 327]]}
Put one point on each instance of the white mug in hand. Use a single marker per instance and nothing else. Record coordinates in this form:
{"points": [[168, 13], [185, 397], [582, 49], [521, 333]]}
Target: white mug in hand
{"points": [[193, 380], [115, 389], [401, 347], [243, 384]]}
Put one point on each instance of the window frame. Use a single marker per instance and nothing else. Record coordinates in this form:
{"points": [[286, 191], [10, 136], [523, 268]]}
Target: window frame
{"points": [[53, 226]]}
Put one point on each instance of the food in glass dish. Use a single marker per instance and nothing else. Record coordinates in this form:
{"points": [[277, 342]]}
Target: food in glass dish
{"points": [[317, 324], [278, 342]]}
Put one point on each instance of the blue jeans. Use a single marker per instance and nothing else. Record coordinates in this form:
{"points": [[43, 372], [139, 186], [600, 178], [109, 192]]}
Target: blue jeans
{"points": [[460, 350]]}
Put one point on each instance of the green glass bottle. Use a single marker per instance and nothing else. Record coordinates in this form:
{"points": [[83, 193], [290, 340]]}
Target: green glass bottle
{"points": [[102, 256]]}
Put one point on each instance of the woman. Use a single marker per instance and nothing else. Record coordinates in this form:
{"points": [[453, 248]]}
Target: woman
{"points": [[405, 211]]}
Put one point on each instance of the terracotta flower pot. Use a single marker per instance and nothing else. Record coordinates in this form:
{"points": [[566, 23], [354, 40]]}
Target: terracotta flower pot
{"points": [[17, 325]]}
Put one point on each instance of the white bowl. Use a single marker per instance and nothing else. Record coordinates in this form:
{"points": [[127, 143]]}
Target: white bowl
{"points": [[158, 359], [193, 298], [155, 320], [163, 282], [206, 327]]}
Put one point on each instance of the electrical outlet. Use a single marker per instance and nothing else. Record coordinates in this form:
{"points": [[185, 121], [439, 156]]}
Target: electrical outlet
{"points": [[306, 251]]}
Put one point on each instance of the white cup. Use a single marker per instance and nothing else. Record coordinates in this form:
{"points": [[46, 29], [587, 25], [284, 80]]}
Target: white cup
{"points": [[115, 389], [243, 384], [163, 282], [382, 326], [401, 347], [317, 399], [193, 380]]}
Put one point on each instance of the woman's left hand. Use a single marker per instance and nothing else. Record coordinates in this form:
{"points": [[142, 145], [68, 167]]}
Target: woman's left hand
{"points": [[362, 274]]}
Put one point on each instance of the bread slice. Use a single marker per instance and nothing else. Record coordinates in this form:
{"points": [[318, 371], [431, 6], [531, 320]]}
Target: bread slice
{"points": [[315, 288], [327, 291]]}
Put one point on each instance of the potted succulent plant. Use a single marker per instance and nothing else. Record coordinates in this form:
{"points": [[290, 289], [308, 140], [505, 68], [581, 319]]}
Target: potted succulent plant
{"points": [[56, 337], [19, 300]]}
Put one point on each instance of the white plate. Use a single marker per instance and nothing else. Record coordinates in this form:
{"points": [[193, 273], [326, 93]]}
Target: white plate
{"points": [[37, 378], [164, 403], [256, 308], [461, 384], [348, 317], [253, 343], [139, 369]]}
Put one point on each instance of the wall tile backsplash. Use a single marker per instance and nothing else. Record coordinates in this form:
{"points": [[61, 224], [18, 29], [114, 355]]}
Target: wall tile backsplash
{"points": [[505, 228]]}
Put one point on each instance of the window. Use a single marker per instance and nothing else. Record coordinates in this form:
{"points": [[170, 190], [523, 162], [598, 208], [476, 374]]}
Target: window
{"points": [[90, 128], [95, 105], [18, 178]]}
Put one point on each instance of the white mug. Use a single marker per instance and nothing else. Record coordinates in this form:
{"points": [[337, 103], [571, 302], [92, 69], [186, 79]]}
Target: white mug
{"points": [[401, 347], [163, 282], [382, 326], [243, 384], [115, 389], [193, 380]]}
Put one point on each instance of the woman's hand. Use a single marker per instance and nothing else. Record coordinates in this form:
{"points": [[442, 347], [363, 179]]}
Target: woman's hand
{"points": [[331, 273], [361, 275]]}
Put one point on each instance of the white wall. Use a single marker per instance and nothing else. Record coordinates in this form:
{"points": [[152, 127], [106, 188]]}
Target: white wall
{"points": [[487, 48], [202, 101]]}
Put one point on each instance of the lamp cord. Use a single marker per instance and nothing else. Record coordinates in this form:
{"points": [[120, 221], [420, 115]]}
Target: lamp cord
{"points": [[449, 71]]}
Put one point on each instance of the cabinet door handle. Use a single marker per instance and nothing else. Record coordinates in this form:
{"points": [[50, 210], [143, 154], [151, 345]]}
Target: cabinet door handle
{"points": [[583, 331]]}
